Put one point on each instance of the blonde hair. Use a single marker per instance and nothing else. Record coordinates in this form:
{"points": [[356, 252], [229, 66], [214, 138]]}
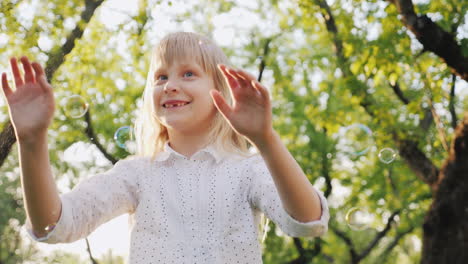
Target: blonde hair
{"points": [[150, 134]]}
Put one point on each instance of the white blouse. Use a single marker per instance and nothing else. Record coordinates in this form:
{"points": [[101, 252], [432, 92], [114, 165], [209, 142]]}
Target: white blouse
{"points": [[202, 209]]}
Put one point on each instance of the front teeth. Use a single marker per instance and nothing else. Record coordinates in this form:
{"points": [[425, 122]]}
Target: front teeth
{"points": [[175, 105]]}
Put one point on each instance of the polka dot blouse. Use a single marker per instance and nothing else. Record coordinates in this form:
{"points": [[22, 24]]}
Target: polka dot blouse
{"points": [[202, 209]]}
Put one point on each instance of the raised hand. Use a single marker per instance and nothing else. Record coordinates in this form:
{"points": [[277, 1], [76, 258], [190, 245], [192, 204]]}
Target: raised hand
{"points": [[31, 106], [250, 115]]}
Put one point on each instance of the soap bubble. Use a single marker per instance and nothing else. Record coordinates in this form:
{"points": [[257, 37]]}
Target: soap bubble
{"points": [[75, 106], [358, 218], [125, 139], [356, 140], [387, 155]]}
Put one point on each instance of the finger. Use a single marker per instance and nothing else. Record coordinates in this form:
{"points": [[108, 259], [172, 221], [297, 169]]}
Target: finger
{"points": [[230, 79], [38, 69], [16, 72], [242, 80], [28, 72], [261, 89], [221, 104], [247, 75], [40, 77], [250, 79], [6, 88]]}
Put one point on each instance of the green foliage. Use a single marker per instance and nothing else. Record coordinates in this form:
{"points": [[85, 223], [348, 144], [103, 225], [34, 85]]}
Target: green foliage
{"points": [[314, 94]]}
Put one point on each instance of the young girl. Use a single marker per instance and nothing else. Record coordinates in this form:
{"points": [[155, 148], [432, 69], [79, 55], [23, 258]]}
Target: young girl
{"points": [[193, 190]]}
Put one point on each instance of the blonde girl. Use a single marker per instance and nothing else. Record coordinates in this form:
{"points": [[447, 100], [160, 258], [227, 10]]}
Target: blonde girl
{"points": [[193, 190]]}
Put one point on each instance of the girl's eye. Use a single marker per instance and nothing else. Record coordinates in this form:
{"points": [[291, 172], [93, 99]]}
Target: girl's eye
{"points": [[161, 77], [188, 74]]}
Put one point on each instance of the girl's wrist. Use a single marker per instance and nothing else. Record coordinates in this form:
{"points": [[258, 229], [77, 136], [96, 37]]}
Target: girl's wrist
{"points": [[32, 141], [265, 140]]}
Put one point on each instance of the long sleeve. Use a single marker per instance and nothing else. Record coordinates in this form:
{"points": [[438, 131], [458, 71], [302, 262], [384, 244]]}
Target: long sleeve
{"points": [[95, 201], [264, 196]]}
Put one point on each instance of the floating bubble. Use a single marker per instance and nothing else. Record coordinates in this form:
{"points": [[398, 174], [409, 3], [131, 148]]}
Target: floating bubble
{"points": [[125, 139], [387, 155], [75, 106], [358, 218], [357, 139]]}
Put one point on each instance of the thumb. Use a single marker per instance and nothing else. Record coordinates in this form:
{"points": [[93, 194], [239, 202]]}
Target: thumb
{"points": [[221, 104]]}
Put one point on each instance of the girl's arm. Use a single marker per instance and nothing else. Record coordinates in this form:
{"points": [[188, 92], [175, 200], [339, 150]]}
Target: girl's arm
{"points": [[296, 192], [41, 199], [31, 108], [250, 115]]}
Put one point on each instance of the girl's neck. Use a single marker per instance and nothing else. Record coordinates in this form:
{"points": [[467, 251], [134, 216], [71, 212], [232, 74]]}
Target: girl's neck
{"points": [[187, 144]]}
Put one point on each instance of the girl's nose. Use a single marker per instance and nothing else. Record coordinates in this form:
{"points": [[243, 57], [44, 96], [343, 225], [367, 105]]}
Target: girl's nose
{"points": [[170, 87]]}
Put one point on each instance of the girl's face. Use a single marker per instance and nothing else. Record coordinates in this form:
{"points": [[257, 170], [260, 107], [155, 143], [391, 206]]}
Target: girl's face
{"points": [[181, 96]]}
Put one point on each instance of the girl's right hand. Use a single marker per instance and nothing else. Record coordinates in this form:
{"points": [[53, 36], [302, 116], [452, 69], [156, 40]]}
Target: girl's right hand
{"points": [[32, 105]]}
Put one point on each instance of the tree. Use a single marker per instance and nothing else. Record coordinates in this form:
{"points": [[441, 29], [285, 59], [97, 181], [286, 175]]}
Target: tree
{"points": [[48, 24]]}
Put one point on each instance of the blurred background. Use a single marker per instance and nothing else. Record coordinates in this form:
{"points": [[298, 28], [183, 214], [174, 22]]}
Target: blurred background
{"points": [[367, 95]]}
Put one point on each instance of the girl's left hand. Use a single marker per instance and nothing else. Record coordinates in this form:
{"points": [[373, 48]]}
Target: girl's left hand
{"points": [[250, 114]]}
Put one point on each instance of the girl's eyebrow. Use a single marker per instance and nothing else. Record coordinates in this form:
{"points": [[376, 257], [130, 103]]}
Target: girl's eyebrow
{"points": [[193, 66], [157, 71]]}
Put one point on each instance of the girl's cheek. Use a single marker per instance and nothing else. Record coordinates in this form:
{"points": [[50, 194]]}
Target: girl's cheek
{"points": [[157, 91]]}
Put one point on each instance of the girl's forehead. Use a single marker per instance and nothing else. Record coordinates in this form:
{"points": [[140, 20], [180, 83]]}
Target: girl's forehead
{"points": [[177, 63]]}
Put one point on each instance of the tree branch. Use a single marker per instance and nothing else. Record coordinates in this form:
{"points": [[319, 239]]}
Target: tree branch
{"points": [[379, 236], [399, 93], [358, 88], [439, 127], [89, 131], [348, 241], [88, 249], [418, 162], [57, 57], [325, 168], [427, 119], [453, 114], [433, 38], [7, 139], [298, 244], [265, 52], [397, 238]]}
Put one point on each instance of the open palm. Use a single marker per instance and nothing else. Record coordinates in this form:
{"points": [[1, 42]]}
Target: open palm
{"points": [[250, 114], [31, 106]]}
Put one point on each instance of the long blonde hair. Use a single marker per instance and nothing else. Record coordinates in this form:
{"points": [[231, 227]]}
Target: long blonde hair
{"points": [[150, 134]]}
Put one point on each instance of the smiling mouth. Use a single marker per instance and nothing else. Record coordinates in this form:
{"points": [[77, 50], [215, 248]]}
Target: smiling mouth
{"points": [[175, 105]]}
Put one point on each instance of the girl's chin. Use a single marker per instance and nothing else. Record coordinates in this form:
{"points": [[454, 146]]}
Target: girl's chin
{"points": [[179, 125]]}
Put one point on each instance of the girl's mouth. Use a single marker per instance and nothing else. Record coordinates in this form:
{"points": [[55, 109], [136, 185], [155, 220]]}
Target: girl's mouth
{"points": [[177, 105]]}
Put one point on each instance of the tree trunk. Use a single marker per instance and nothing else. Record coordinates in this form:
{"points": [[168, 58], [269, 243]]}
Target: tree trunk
{"points": [[445, 238]]}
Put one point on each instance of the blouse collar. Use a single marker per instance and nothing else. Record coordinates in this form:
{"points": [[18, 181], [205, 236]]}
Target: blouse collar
{"points": [[168, 151]]}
